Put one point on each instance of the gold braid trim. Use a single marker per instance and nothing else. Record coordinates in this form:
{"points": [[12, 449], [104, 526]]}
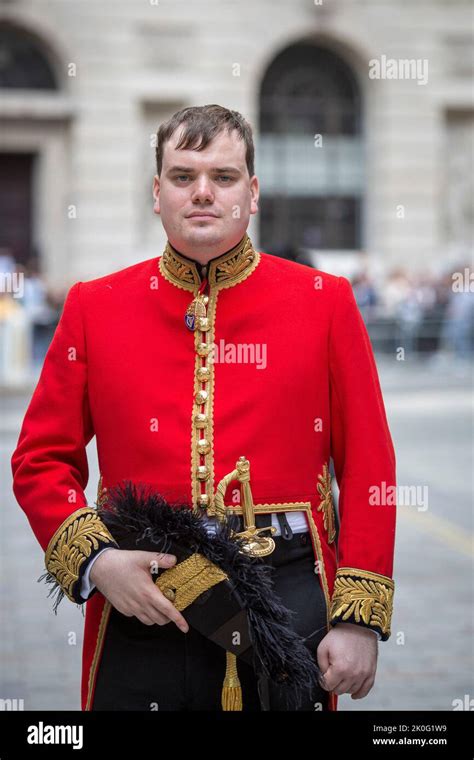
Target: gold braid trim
{"points": [[75, 540], [101, 493], [326, 505], [225, 271], [103, 625], [189, 579], [361, 596]]}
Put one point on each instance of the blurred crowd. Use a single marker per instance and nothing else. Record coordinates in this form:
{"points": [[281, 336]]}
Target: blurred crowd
{"points": [[424, 314], [29, 313]]}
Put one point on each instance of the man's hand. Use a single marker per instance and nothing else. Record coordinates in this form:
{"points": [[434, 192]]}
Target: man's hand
{"points": [[124, 578], [347, 657]]}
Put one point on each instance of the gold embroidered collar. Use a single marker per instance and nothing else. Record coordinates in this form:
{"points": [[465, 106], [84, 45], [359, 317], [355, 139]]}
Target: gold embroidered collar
{"points": [[226, 270]]}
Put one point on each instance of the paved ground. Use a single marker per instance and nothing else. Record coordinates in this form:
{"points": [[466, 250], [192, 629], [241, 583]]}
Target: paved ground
{"points": [[428, 661]]}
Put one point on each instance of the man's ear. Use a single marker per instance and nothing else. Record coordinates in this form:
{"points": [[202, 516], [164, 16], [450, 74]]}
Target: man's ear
{"points": [[156, 194], [254, 189]]}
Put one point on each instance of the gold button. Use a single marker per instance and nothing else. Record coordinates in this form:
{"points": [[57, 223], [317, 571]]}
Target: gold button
{"points": [[204, 324], [201, 397], [203, 500], [203, 472], [200, 421], [169, 593], [203, 446], [203, 349], [204, 374]]}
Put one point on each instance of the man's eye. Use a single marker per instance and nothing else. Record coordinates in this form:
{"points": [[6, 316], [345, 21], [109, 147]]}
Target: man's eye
{"points": [[185, 177]]}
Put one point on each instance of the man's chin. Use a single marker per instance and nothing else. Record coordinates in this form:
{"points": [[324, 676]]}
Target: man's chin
{"points": [[203, 234]]}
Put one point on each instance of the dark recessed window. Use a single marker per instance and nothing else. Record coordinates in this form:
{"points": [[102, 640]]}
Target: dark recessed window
{"points": [[23, 64], [310, 152]]}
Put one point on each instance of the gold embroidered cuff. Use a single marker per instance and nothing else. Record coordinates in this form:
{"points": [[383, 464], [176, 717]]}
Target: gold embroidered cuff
{"points": [[363, 597], [79, 538]]}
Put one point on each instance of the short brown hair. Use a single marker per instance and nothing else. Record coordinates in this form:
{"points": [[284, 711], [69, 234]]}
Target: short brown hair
{"points": [[202, 124]]}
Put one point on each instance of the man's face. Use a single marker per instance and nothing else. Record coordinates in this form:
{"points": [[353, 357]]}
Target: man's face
{"points": [[214, 182]]}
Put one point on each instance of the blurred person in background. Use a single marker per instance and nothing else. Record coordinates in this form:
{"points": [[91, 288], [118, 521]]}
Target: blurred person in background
{"points": [[458, 324], [40, 314], [365, 295]]}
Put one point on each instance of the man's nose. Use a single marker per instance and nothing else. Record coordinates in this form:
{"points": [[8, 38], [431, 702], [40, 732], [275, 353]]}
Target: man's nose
{"points": [[202, 190]]}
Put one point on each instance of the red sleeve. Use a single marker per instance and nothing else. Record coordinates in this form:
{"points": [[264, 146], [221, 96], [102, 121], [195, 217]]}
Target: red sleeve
{"points": [[365, 467], [49, 464]]}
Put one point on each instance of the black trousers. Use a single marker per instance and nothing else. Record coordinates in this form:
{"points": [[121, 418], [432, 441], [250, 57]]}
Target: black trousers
{"points": [[160, 668]]}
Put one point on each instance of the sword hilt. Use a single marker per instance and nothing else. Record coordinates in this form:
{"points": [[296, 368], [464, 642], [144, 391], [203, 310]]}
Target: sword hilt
{"points": [[255, 544]]}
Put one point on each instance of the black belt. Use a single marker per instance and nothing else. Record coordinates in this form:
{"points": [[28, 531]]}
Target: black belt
{"points": [[265, 521]]}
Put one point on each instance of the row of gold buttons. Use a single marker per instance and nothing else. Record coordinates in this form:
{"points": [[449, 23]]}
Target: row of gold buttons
{"points": [[202, 465]]}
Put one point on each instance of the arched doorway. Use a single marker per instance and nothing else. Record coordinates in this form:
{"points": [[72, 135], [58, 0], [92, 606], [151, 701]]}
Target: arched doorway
{"points": [[23, 61], [310, 153]]}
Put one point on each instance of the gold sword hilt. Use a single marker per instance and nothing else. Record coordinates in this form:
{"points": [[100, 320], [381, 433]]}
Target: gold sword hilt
{"points": [[254, 544]]}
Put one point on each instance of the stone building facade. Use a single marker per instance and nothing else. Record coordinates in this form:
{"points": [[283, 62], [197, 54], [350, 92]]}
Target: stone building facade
{"points": [[362, 113]]}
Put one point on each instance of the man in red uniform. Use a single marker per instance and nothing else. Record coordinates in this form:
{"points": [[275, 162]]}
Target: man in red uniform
{"points": [[179, 365]]}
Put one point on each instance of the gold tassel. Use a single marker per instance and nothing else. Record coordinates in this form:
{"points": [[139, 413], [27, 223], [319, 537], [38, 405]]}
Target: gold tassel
{"points": [[231, 690]]}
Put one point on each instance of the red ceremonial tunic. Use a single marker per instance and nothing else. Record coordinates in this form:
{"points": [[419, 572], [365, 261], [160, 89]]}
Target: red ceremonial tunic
{"points": [[292, 385]]}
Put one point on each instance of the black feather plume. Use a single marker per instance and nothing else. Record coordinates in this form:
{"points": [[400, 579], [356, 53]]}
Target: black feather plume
{"points": [[134, 513]]}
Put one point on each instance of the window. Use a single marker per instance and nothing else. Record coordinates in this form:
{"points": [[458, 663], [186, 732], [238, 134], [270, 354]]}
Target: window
{"points": [[310, 196]]}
